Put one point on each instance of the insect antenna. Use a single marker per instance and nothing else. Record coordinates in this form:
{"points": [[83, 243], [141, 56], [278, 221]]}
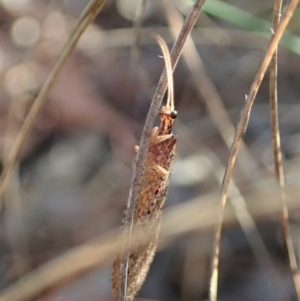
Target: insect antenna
{"points": [[166, 54]]}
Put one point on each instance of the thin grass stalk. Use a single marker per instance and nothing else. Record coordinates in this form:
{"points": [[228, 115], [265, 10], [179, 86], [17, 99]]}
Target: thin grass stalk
{"points": [[242, 124], [12, 197], [87, 16], [277, 156]]}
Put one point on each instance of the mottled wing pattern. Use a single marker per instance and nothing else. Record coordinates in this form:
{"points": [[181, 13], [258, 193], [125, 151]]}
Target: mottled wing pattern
{"points": [[152, 195]]}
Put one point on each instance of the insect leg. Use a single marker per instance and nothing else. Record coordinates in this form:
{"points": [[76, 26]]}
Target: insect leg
{"points": [[162, 138]]}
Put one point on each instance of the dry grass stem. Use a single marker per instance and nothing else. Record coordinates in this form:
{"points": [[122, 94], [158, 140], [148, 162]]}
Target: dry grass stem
{"points": [[248, 224], [87, 16], [13, 198], [277, 155], [242, 124]]}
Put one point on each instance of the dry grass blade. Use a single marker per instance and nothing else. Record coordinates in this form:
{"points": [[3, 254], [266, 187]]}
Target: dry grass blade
{"points": [[13, 199], [152, 113], [87, 16], [278, 169], [237, 138]]}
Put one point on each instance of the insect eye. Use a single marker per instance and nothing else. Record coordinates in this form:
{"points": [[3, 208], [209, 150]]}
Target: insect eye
{"points": [[173, 114]]}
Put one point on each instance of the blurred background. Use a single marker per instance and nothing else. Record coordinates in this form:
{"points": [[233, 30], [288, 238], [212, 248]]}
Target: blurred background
{"points": [[72, 180]]}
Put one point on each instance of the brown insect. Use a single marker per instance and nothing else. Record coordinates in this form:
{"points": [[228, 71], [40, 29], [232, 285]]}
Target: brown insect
{"points": [[153, 187]]}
